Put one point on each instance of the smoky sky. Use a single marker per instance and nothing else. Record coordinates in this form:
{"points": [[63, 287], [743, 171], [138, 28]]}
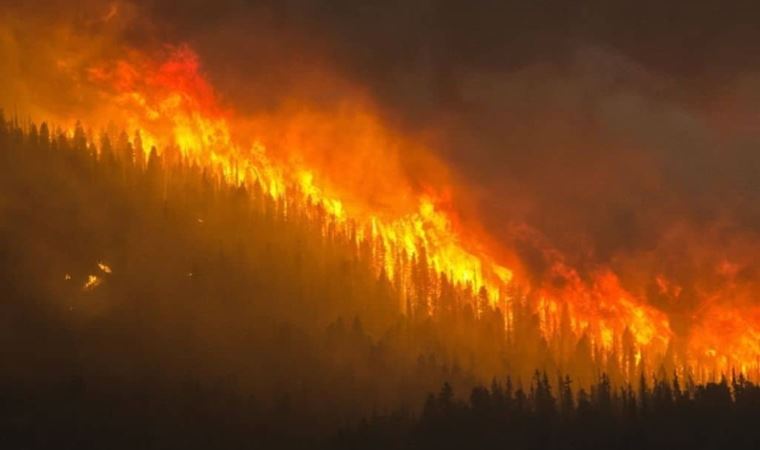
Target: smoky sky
{"points": [[602, 124], [612, 128]]}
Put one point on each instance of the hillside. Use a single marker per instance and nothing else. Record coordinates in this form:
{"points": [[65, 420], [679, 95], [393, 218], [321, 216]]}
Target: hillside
{"points": [[149, 303], [143, 279]]}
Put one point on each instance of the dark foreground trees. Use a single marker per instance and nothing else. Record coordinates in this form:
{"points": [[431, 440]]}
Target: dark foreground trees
{"points": [[715, 415]]}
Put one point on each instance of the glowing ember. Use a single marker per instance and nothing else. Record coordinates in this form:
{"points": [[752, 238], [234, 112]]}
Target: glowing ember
{"points": [[92, 282]]}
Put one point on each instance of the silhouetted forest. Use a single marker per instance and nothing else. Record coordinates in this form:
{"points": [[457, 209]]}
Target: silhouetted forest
{"points": [[145, 302], [670, 414]]}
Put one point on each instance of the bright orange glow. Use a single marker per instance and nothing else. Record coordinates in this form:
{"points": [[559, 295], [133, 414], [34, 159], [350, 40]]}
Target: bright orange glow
{"points": [[105, 268], [298, 155], [92, 282]]}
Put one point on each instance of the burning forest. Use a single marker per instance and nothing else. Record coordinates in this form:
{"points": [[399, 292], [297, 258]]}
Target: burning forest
{"points": [[221, 226]]}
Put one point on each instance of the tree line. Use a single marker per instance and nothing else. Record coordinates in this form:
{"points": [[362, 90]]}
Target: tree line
{"points": [[669, 414]]}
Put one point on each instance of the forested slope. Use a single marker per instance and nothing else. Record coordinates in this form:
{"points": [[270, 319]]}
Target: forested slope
{"points": [[149, 290], [147, 303]]}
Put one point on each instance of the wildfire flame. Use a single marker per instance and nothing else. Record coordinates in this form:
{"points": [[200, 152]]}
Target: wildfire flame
{"points": [[174, 109]]}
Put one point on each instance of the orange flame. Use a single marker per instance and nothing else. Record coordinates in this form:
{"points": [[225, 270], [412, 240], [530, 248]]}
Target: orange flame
{"points": [[175, 109]]}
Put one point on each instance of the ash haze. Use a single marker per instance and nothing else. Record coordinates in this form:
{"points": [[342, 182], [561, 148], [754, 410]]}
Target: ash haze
{"points": [[545, 212]]}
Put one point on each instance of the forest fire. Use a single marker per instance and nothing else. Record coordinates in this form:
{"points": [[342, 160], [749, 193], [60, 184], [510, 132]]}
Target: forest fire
{"points": [[410, 228], [349, 225], [173, 110]]}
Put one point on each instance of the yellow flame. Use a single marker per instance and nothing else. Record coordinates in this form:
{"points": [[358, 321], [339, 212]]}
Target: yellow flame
{"points": [[92, 282], [105, 268], [170, 115]]}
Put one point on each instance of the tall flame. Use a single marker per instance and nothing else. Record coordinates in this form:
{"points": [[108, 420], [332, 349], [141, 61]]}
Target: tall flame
{"points": [[175, 109]]}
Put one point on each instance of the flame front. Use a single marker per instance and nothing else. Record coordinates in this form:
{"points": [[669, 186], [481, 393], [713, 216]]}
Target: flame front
{"points": [[173, 108], [169, 107]]}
